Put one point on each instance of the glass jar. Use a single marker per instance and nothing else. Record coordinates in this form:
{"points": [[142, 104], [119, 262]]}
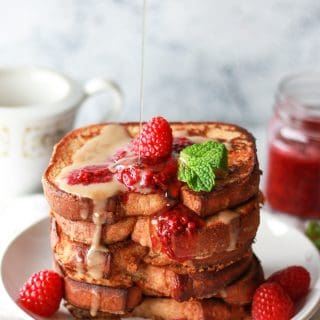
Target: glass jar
{"points": [[293, 173]]}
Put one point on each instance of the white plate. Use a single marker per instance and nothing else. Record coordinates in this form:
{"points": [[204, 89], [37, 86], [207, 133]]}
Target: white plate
{"points": [[277, 246]]}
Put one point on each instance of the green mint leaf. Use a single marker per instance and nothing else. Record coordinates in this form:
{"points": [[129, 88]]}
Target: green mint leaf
{"points": [[313, 232], [200, 163]]}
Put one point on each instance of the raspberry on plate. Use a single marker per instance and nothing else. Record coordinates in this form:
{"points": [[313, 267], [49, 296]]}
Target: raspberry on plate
{"points": [[295, 280], [42, 293], [270, 302], [155, 138]]}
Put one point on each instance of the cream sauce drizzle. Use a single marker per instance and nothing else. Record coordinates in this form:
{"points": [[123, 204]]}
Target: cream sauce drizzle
{"points": [[97, 254], [95, 303], [79, 265], [84, 213], [96, 151]]}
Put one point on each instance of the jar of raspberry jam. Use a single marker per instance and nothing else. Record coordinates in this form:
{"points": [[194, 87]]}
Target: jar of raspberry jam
{"points": [[293, 174]]}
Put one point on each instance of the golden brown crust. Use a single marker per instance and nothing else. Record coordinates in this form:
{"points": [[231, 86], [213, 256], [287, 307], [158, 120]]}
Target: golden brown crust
{"points": [[169, 309], [213, 238], [242, 290], [83, 231], [164, 282], [233, 298], [241, 183], [117, 301], [205, 204], [215, 262]]}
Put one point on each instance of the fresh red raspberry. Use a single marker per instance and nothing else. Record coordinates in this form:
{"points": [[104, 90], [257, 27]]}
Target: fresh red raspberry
{"points": [[156, 140], [271, 302], [295, 280], [90, 174], [42, 293]]}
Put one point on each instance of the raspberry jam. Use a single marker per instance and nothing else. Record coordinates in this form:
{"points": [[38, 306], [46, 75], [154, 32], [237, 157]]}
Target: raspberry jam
{"points": [[176, 230], [144, 176], [293, 176], [90, 174]]}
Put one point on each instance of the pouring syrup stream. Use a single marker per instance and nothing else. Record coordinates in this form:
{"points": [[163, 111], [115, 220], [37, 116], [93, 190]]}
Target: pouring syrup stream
{"points": [[142, 73]]}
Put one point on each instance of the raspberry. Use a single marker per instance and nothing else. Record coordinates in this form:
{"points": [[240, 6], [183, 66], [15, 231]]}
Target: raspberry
{"points": [[295, 280], [42, 293], [270, 302], [90, 174], [156, 140]]}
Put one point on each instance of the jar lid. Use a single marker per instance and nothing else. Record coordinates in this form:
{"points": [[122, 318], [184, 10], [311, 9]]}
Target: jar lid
{"points": [[298, 100]]}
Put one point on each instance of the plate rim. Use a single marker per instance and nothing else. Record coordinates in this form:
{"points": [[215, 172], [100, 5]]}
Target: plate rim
{"points": [[22, 313]]}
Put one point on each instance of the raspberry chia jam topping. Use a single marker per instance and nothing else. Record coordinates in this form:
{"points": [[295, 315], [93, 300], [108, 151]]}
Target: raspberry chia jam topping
{"points": [[90, 174], [175, 228]]}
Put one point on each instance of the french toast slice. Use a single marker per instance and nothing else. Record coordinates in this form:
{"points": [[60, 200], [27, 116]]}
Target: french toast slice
{"points": [[225, 231], [83, 231], [242, 290], [164, 282], [240, 184], [239, 293], [106, 299], [169, 309], [215, 262]]}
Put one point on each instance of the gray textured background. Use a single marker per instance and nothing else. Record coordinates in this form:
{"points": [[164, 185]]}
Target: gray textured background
{"points": [[206, 59]]}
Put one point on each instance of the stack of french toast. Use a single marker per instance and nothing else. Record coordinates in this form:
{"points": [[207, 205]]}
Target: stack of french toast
{"points": [[135, 236]]}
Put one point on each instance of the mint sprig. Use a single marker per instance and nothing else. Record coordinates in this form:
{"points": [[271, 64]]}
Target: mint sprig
{"points": [[199, 164]]}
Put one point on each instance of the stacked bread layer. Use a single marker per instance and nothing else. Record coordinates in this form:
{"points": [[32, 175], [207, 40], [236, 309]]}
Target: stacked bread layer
{"points": [[127, 273]]}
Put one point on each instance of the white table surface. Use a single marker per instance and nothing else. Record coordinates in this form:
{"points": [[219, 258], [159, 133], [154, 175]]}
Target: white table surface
{"points": [[19, 213]]}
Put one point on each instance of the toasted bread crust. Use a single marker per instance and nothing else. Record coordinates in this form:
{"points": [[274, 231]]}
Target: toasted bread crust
{"points": [[215, 262], [205, 204], [231, 305], [242, 181], [83, 231], [213, 238], [241, 291], [162, 308], [168, 309], [117, 301], [164, 282]]}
